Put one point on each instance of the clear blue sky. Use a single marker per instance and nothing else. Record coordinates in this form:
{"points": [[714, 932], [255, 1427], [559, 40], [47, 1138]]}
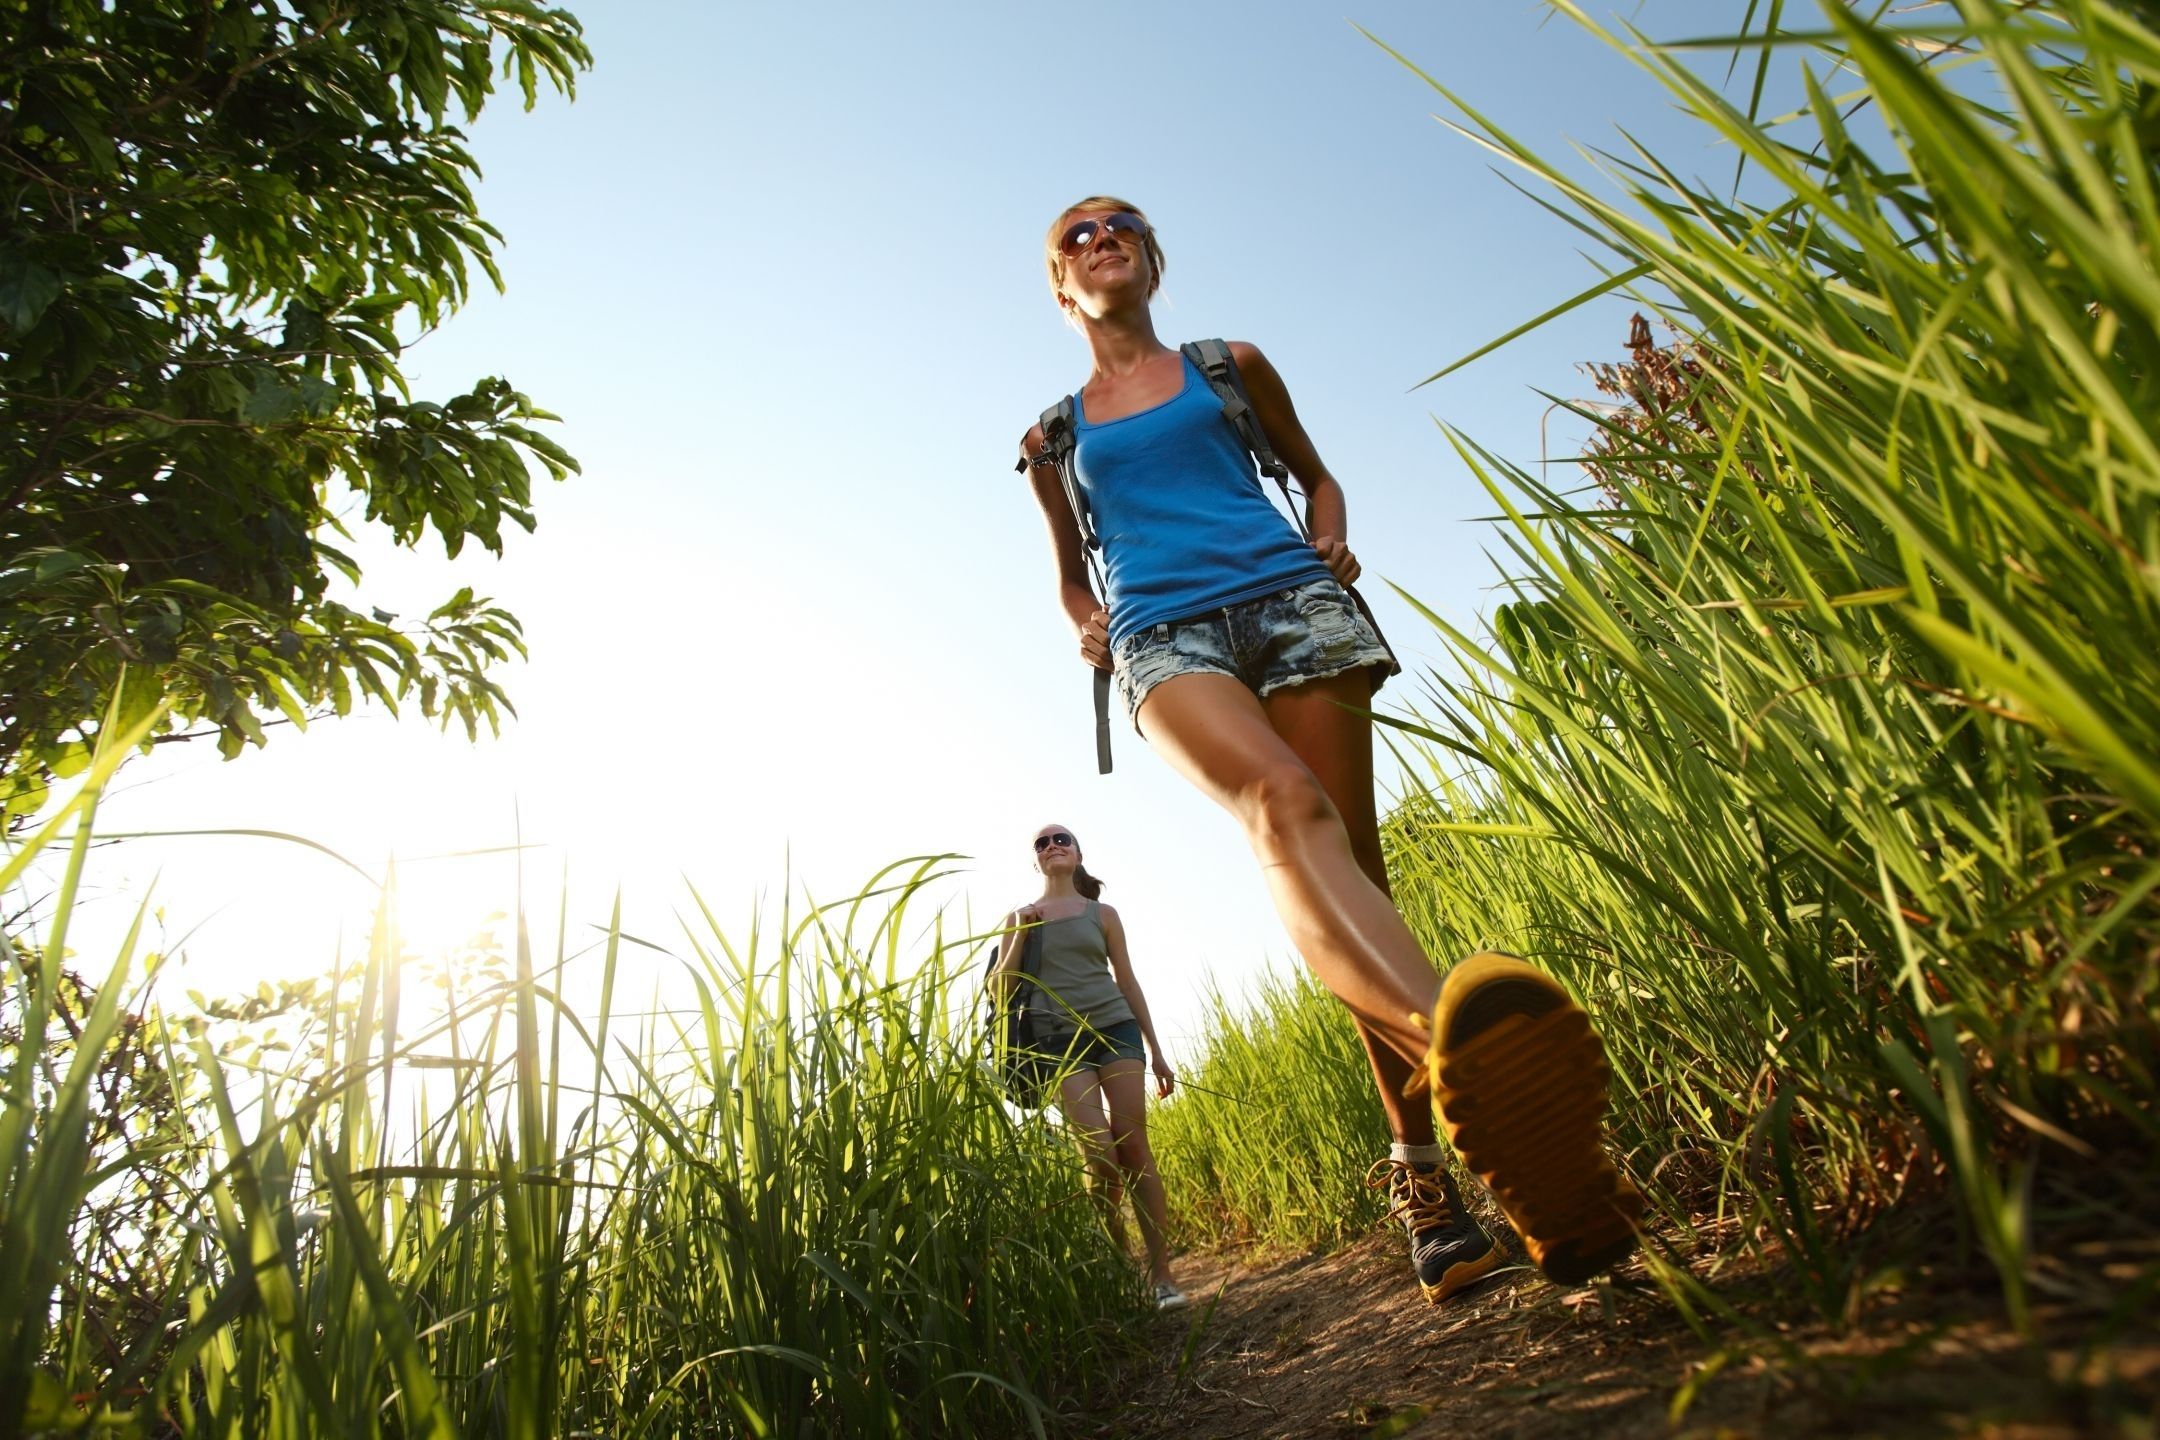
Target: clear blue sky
{"points": [[779, 269]]}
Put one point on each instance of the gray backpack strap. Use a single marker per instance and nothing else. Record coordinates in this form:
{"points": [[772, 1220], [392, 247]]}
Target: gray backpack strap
{"points": [[1060, 442], [1102, 721], [1215, 362]]}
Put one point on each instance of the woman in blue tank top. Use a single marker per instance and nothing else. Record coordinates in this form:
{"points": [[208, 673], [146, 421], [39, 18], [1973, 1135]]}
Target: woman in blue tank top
{"points": [[1243, 661]]}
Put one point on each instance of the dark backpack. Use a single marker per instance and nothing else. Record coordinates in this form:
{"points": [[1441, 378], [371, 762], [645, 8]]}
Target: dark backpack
{"points": [[1214, 361], [1018, 1057]]}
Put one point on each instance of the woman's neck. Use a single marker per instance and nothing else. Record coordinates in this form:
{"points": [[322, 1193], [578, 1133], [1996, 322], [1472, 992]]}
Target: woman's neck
{"points": [[1122, 341], [1059, 887]]}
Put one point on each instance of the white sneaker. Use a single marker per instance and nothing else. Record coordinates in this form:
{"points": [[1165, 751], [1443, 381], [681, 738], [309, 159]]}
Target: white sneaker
{"points": [[1169, 1297]]}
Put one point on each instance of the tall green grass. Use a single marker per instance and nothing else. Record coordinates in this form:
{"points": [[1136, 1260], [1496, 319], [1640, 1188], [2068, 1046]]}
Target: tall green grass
{"points": [[1272, 1130], [799, 1208], [1818, 745]]}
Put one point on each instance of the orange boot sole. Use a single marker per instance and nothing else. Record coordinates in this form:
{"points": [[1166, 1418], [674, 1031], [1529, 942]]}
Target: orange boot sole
{"points": [[1461, 1277], [1520, 1080]]}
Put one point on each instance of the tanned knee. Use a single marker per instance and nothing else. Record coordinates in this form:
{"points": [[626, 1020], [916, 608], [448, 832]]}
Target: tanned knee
{"points": [[1281, 807]]}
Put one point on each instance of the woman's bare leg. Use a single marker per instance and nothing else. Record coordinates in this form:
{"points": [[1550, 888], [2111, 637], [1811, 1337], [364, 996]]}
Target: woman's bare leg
{"points": [[1080, 1096], [1337, 746], [1575, 1212], [1213, 730], [1125, 1083]]}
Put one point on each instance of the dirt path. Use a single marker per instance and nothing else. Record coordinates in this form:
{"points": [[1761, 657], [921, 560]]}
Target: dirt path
{"points": [[1342, 1345]]}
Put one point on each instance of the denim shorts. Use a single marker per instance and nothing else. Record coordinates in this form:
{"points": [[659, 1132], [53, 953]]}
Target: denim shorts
{"points": [[1095, 1047], [1308, 632]]}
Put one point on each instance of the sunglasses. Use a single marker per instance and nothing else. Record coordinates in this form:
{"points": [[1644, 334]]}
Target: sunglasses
{"points": [[1055, 837], [1082, 234]]}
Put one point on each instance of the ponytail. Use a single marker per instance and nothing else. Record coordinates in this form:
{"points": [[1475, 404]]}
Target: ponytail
{"points": [[1089, 887]]}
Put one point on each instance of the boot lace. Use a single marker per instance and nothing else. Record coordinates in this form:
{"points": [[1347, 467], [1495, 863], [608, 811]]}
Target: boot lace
{"points": [[1418, 1198]]}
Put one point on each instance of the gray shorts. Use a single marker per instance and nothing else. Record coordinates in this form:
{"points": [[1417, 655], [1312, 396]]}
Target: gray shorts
{"points": [[1308, 632]]}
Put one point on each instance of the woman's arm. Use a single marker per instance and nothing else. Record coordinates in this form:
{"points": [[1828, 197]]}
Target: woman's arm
{"points": [[1121, 969], [1076, 597], [1286, 433], [1006, 972]]}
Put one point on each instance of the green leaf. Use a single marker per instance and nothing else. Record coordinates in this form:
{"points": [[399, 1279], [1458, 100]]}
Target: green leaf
{"points": [[70, 760], [271, 401], [55, 563], [27, 289], [457, 605], [317, 396]]}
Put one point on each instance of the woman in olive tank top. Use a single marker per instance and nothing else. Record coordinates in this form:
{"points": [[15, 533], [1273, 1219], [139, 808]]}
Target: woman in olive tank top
{"points": [[1084, 978], [1244, 662]]}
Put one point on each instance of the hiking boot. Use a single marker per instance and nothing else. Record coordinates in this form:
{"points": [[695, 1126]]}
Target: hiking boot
{"points": [[1169, 1297], [1448, 1249], [1520, 1078]]}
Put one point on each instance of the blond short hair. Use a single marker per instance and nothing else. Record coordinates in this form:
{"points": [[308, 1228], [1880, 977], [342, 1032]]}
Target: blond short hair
{"points": [[1056, 261]]}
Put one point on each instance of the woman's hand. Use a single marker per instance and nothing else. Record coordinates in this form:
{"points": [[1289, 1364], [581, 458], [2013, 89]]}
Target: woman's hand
{"points": [[1165, 1078], [1027, 915], [1095, 640], [1339, 561]]}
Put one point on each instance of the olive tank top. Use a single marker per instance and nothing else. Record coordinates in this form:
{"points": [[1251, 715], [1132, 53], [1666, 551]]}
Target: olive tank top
{"points": [[1073, 978]]}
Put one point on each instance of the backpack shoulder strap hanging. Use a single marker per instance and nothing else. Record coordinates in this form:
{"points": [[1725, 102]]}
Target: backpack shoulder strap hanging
{"points": [[1216, 364], [1060, 443]]}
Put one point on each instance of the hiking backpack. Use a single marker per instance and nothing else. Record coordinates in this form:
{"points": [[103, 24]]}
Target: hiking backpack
{"points": [[1020, 1059], [1060, 440]]}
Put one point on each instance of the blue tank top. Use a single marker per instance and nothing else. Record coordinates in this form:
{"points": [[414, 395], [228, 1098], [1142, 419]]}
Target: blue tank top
{"points": [[1185, 526]]}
